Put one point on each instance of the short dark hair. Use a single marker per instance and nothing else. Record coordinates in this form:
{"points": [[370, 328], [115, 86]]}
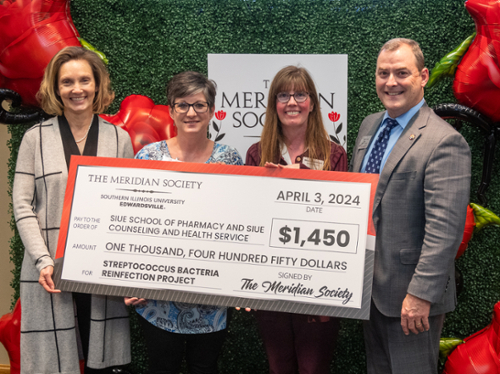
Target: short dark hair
{"points": [[190, 83]]}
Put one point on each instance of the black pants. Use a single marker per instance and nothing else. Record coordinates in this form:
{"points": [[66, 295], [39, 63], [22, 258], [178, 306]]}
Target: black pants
{"points": [[83, 307], [166, 350]]}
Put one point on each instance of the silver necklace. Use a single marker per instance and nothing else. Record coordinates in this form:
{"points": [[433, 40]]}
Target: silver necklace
{"points": [[85, 137]]}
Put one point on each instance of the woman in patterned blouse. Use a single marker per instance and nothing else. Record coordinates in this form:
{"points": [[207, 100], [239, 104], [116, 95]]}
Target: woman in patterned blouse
{"points": [[174, 329]]}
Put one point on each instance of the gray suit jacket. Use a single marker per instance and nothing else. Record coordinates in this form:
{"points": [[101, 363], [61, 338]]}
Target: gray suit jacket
{"points": [[418, 212]]}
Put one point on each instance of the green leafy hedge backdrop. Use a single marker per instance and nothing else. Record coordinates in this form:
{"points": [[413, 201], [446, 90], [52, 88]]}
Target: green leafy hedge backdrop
{"points": [[148, 41]]}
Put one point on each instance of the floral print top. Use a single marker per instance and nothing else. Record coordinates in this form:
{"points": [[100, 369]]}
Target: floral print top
{"points": [[184, 318], [221, 153]]}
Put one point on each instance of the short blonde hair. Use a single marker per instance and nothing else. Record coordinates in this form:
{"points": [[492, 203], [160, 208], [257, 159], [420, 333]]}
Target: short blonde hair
{"points": [[47, 96]]}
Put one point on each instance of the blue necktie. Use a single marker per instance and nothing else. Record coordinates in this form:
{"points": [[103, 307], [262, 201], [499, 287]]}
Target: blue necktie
{"points": [[378, 150]]}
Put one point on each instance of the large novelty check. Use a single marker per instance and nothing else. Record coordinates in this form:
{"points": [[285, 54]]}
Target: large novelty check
{"points": [[300, 241]]}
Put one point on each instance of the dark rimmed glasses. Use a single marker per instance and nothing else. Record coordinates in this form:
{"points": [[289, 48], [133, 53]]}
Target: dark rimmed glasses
{"points": [[199, 107], [284, 97]]}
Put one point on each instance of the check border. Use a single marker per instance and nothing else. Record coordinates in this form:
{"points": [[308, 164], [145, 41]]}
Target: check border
{"points": [[189, 297]]}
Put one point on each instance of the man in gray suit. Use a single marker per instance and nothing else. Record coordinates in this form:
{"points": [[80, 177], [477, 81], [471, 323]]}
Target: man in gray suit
{"points": [[419, 214]]}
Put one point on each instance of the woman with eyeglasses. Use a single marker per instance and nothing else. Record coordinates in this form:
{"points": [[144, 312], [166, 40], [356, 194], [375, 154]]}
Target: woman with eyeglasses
{"points": [[294, 137], [173, 330]]}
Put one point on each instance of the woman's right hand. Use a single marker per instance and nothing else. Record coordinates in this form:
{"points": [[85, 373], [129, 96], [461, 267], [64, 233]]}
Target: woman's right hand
{"points": [[134, 301], [270, 165], [46, 280]]}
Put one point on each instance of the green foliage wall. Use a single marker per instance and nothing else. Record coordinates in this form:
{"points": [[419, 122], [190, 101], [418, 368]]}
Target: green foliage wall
{"points": [[148, 41]]}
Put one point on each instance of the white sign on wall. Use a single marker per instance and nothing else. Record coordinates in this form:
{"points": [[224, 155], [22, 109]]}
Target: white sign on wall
{"points": [[242, 92]]}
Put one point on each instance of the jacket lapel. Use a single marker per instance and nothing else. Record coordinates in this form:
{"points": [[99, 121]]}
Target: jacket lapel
{"points": [[410, 135], [364, 143]]}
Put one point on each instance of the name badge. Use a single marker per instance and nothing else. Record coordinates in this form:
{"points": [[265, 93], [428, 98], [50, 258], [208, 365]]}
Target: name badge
{"points": [[312, 163], [365, 141]]}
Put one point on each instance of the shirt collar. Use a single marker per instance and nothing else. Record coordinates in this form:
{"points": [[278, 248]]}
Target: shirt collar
{"points": [[406, 117]]}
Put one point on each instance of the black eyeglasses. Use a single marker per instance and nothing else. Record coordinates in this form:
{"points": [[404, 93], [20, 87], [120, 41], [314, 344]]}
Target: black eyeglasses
{"points": [[199, 107], [284, 97]]}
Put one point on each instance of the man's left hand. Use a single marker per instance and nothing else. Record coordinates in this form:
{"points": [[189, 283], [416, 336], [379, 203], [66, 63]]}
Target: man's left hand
{"points": [[415, 315]]}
